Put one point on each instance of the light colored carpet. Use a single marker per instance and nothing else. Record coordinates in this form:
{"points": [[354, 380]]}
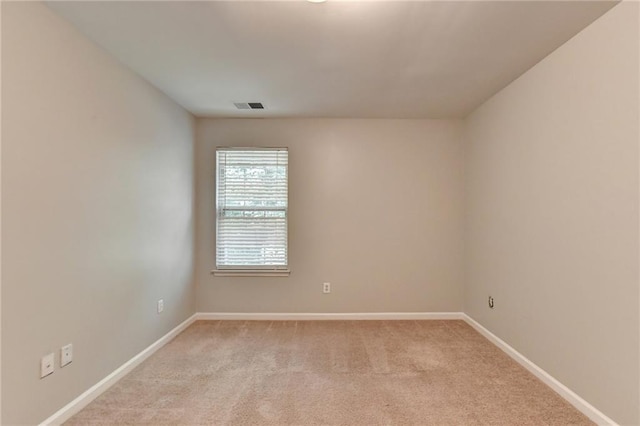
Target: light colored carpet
{"points": [[332, 373]]}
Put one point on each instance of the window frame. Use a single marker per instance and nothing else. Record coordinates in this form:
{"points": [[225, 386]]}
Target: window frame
{"points": [[250, 270]]}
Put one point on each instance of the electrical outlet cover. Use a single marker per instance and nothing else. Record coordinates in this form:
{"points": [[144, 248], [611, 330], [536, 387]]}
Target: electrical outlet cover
{"points": [[46, 365], [66, 355]]}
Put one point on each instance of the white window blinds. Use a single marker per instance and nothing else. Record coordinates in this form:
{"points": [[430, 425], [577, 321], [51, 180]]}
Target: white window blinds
{"points": [[251, 203]]}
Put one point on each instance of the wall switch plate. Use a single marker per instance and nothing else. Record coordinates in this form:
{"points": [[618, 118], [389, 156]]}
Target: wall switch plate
{"points": [[66, 355], [46, 365], [160, 305], [326, 288]]}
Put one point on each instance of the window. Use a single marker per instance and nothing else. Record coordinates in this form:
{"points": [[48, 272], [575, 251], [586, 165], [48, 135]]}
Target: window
{"points": [[251, 211]]}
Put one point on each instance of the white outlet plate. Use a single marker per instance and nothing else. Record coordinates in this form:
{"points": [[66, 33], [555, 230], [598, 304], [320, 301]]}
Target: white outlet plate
{"points": [[160, 306], [46, 365], [66, 355], [326, 288]]}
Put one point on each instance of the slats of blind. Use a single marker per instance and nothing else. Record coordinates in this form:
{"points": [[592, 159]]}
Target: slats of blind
{"points": [[251, 203]]}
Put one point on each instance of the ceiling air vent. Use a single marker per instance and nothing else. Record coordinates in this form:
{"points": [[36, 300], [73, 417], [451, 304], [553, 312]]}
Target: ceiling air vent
{"points": [[249, 105]]}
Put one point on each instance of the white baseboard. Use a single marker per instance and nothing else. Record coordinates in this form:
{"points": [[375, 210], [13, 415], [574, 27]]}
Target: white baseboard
{"points": [[570, 396], [83, 400], [209, 316], [93, 392], [66, 412]]}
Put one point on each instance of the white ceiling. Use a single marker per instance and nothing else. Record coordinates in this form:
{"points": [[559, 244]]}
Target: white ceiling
{"points": [[335, 59]]}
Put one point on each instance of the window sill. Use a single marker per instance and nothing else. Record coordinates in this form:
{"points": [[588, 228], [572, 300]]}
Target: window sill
{"points": [[251, 272]]}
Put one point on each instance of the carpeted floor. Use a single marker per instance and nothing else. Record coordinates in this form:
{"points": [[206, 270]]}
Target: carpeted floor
{"points": [[330, 373]]}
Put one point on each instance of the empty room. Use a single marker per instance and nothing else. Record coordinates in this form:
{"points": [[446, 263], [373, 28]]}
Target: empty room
{"points": [[320, 212]]}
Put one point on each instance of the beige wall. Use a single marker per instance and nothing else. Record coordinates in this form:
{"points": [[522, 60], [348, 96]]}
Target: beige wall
{"points": [[96, 211], [97, 194], [375, 209], [552, 184]]}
